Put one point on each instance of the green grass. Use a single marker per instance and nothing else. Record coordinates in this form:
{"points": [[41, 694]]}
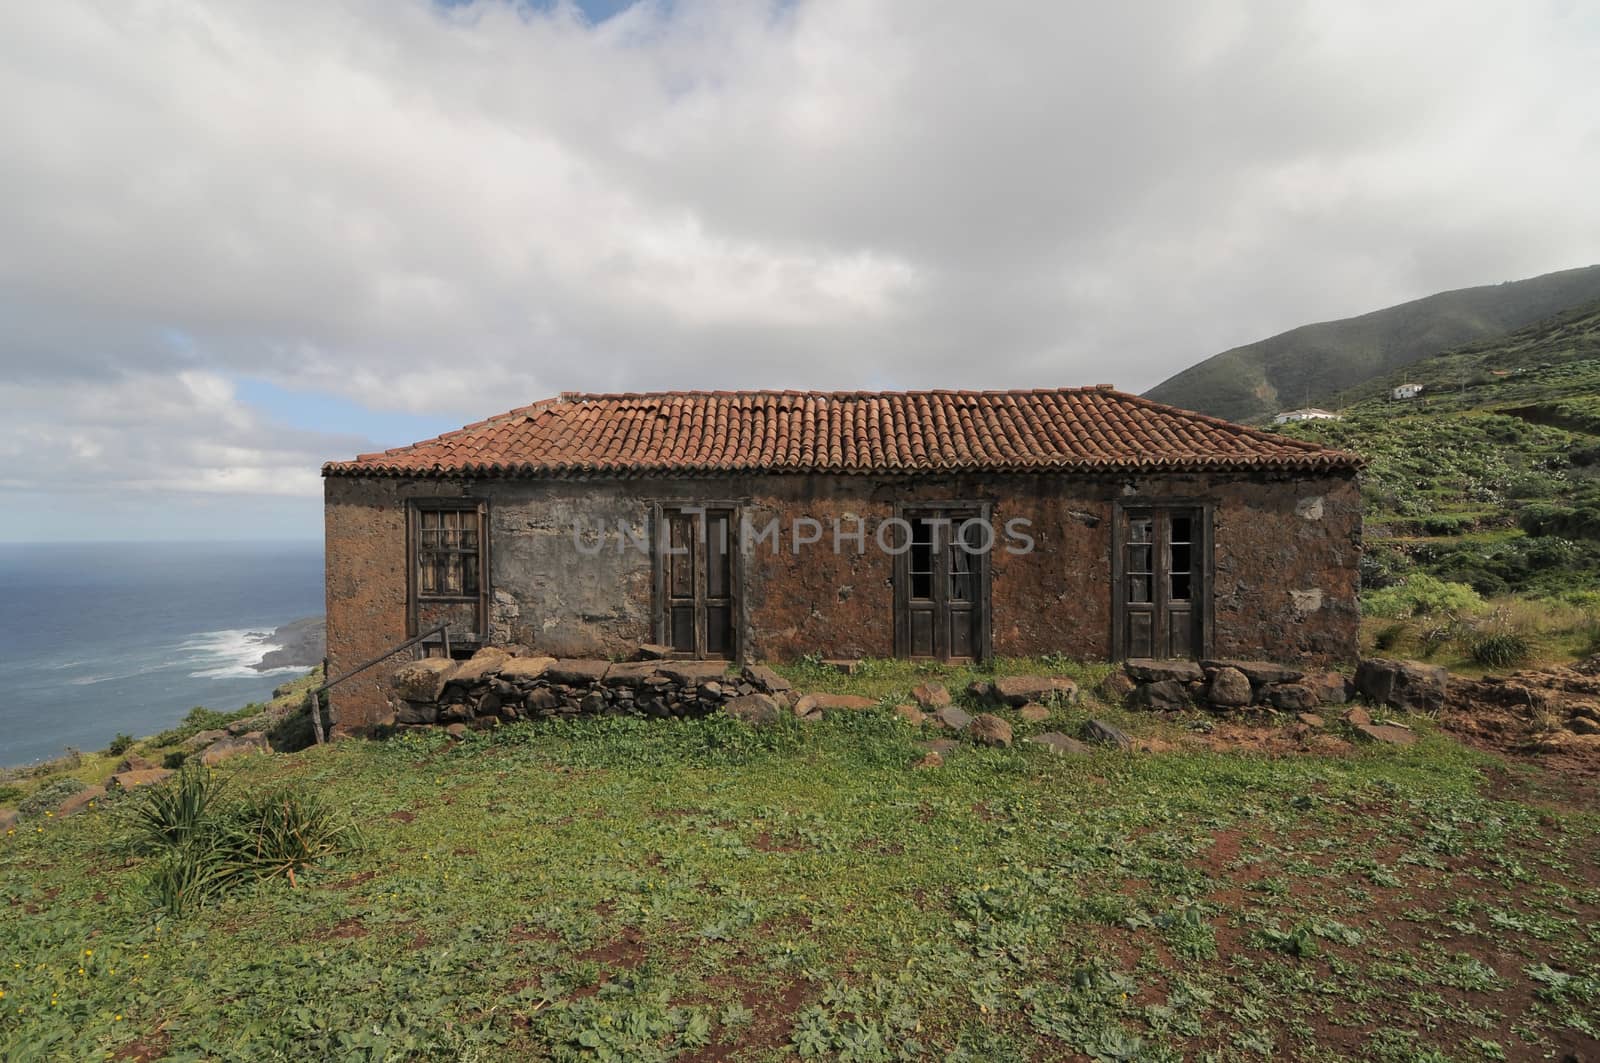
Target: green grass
{"points": [[623, 889]]}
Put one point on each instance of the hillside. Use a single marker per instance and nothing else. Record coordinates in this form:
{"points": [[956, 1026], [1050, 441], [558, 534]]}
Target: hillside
{"points": [[1491, 481], [1315, 363]]}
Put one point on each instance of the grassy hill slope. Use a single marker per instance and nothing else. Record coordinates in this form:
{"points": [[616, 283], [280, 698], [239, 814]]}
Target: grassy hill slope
{"points": [[1318, 362], [1494, 484]]}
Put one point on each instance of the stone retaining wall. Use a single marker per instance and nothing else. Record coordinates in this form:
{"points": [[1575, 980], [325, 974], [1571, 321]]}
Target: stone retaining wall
{"points": [[498, 685]]}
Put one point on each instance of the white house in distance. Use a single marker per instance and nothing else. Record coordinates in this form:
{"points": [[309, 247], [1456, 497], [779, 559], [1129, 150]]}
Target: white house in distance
{"points": [[1310, 413], [1406, 391]]}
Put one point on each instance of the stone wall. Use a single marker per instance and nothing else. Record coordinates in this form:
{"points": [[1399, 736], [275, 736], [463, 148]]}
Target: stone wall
{"points": [[498, 685], [1286, 552]]}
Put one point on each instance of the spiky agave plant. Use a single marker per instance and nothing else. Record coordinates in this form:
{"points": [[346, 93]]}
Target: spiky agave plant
{"points": [[284, 832], [174, 813]]}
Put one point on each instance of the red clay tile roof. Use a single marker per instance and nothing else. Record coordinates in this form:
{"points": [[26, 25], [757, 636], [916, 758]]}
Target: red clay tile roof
{"points": [[711, 432]]}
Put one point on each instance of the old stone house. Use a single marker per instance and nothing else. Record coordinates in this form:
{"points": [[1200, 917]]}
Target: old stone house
{"points": [[768, 525]]}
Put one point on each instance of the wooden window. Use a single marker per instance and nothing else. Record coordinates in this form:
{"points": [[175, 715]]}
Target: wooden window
{"points": [[449, 561], [449, 577]]}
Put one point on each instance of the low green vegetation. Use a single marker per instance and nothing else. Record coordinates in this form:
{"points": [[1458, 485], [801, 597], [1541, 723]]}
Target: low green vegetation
{"points": [[1482, 545], [622, 889]]}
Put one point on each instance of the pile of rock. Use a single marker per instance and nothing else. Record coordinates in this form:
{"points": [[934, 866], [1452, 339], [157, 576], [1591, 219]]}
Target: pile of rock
{"points": [[1226, 685], [499, 685]]}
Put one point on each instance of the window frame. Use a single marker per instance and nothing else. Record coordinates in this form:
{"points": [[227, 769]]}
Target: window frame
{"points": [[414, 594]]}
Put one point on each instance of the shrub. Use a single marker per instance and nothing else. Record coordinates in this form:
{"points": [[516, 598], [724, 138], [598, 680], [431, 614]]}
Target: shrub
{"points": [[120, 744], [1388, 636], [1421, 595], [207, 847], [48, 796], [175, 812], [285, 832], [10, 795], [1500, 649], [175, 759]]}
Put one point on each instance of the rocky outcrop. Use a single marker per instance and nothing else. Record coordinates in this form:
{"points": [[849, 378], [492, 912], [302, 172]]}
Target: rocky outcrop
{"points": [[228, 748]]}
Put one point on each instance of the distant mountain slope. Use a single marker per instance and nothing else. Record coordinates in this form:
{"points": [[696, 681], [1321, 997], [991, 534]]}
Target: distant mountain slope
{"points": [[1502, 368], [1314, 363]]}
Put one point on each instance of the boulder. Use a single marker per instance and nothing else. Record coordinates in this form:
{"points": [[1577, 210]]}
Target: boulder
{"points": [[134, 762], [931, 759], [990, 730], [79, 801], [766, 680], [910, 714], [199, 741], [525, 669], [1358, 717], [629, 674], [1331, 687], [1409, 686], [1058, 743], [1583, 725], [1386, 733], [1291, 697], [1116, 686], [422, 680], [931, 695], [1018, 690], [1033, 712], [1146, 670], [578, 672], [1311, 719], [416, 712], [757, 710], [132, 780], [1230, 688], [1260, 673], [693, 673], [812, 706], [1164, 696], [227, 748], [652, 651], [954, 717], [456, 731], [485, 664], [980, 689], [1105, 734]]}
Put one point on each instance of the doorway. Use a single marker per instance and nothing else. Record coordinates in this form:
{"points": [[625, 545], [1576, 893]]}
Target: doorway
{"points": [[696, 596], [942, 585], [1162, 581]]}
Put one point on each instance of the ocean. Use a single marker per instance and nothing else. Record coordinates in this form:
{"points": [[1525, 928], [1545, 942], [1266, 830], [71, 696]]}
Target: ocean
{"points": [[101, 638]]}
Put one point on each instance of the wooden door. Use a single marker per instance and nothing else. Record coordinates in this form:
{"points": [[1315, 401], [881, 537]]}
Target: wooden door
{"points": [[697, 582], [941, 595], [1161, 584]]}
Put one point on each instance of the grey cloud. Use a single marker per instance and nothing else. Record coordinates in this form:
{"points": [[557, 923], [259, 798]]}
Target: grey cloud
{"points": [[454, 211]]}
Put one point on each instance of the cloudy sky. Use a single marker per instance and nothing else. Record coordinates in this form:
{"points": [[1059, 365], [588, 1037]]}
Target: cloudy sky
{"points": [[239, 239]]}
